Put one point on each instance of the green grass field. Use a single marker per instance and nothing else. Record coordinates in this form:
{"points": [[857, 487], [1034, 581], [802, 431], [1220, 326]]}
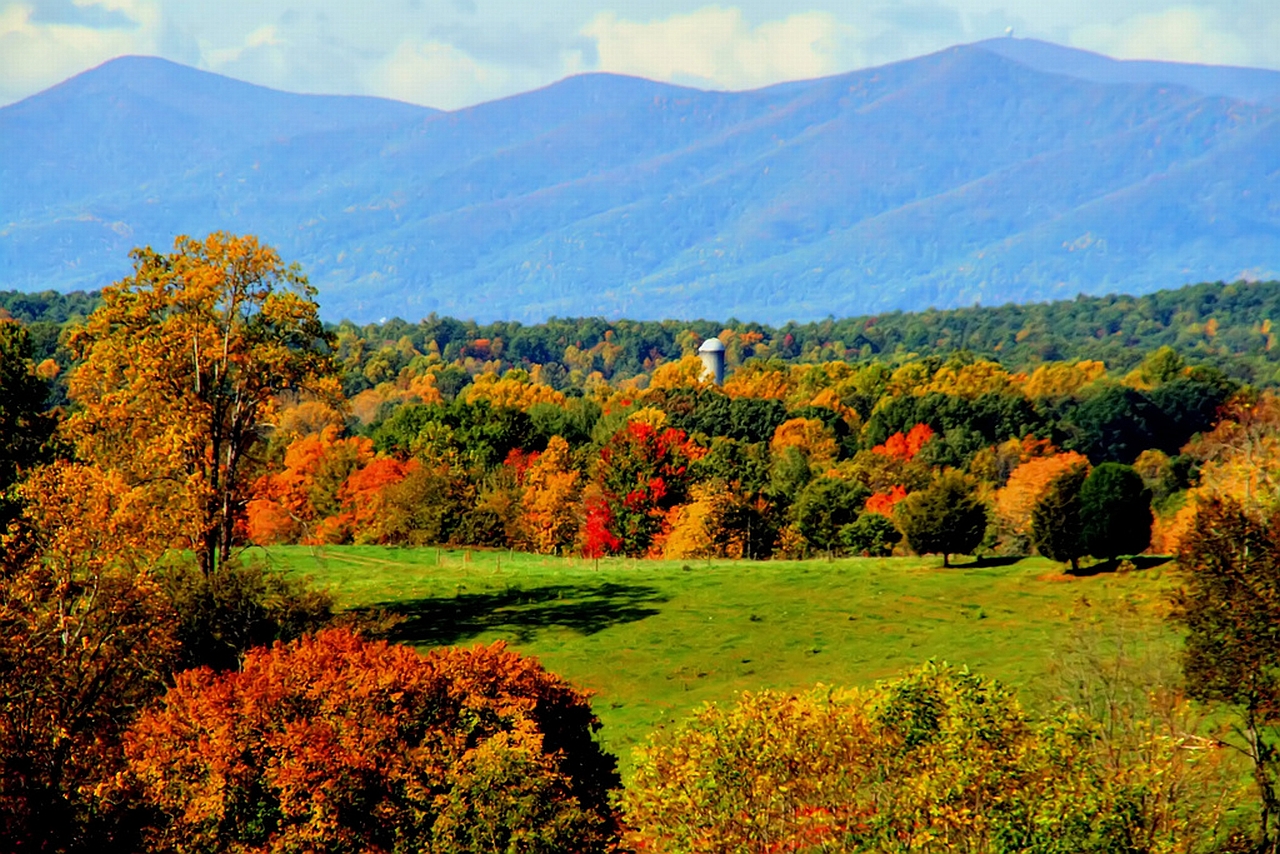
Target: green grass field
{"points": [[653, 639]]}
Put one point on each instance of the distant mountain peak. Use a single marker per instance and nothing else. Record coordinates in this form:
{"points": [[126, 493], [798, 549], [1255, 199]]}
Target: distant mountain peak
{"points": [[1245, 84], [1007, 170]]}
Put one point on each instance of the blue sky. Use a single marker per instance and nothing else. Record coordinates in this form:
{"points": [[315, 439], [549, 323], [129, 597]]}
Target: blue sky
{"points": [[452, 53]]}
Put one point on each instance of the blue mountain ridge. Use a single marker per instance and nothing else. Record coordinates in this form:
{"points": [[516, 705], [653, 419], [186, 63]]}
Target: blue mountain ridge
{"points": [[1007, 170]]}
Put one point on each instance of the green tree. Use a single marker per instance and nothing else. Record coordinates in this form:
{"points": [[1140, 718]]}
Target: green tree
{"points": [[826, 506], [1115, 512], [872, 534], [1057, 531], [1230, 609], [25, 428], [947, 517]]}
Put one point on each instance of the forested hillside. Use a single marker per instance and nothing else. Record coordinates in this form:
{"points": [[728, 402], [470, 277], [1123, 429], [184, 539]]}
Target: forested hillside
{"points": [[1227, 326], [984, 173]]}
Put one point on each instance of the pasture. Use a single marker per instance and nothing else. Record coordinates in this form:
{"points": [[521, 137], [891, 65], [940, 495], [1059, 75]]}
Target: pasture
{"points": [[653, 639]]}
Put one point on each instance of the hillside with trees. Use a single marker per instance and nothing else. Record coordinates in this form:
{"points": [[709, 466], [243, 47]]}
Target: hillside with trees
{"points": [[1008, 170]]}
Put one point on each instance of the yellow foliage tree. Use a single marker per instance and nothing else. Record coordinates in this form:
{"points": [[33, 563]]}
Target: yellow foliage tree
{"points": [[181, 366], [550, 500], [686, 372], [968, 381], [1060, 379], [513, 390], [809, 436]]}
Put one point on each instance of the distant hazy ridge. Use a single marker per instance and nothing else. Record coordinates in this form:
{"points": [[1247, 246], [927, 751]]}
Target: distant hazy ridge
{"points": [[1006, 170]]}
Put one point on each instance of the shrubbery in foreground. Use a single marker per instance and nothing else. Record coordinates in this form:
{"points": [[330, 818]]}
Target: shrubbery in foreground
{"points": [[938, 760], [334, 743]]}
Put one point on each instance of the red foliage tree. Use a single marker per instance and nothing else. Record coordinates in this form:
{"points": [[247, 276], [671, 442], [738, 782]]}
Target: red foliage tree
{"points": [[906, 446], [335, 743], [643, 472]]}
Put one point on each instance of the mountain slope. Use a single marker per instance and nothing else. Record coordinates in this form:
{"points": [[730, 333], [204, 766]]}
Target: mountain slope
{"points": [[985, 173]]}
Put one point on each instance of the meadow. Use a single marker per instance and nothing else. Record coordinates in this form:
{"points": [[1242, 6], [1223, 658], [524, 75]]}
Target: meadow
{"points": [[654, 639]]}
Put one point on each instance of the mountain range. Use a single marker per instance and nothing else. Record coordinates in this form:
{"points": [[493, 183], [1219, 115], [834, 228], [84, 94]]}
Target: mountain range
{"points": [[1006, 170]]}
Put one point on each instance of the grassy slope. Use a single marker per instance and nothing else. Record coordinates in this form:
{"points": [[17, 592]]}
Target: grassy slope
{"points": [[654, 639]]}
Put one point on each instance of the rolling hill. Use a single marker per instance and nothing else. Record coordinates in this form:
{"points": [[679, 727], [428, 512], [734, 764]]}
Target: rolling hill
{"points": [[1008, 170]]}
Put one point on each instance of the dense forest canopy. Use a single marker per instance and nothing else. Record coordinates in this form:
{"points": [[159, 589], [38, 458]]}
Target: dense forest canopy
{"points": [[1225, 325]]}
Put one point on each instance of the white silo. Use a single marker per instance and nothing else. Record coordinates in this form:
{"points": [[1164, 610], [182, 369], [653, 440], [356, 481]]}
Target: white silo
{"points": [[712, 354]]}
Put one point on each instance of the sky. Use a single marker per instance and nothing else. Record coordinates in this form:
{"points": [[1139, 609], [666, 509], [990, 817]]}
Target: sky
{"points": [[453, 53]]}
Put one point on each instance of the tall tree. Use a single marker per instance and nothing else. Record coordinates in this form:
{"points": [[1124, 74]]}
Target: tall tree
{"points": [[1230, 608], [86, 640], [181, 367]]}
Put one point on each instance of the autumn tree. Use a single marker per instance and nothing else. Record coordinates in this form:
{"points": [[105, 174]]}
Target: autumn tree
{"points": [[86, 639], [643, 472], [1027, 485], [180, 368], [1230, 609], [334, 743], [1240, 456], [1057, 527], [947, 517]]}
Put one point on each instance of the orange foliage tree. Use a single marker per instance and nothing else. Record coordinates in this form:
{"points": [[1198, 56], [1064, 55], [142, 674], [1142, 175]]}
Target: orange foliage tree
{"points": [[1027, 485], [905, 446], [86, 639], [180, 369], [293, 503], [335, 743]]}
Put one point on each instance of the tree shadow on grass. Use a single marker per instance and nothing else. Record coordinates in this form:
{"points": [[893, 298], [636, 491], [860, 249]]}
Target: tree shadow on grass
{"points": [[994, 560], [1113, 565], [518, 612]]}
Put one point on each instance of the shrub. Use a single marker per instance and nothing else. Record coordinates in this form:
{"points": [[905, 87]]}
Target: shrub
{"points": [[334, 743], [938, 760]]}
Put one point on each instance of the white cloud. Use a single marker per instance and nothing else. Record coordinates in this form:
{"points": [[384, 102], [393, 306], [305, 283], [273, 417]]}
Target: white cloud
{"points": [[35, 55], [1180, 34], [450, 53], [440, 75], [716, 47]]}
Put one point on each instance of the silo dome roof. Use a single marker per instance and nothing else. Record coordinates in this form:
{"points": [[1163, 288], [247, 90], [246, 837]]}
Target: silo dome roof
{"points": [[711, 345]]}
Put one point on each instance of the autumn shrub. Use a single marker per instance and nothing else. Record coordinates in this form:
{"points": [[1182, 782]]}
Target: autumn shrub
{"points": [[938, 760], [334, 743]]}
